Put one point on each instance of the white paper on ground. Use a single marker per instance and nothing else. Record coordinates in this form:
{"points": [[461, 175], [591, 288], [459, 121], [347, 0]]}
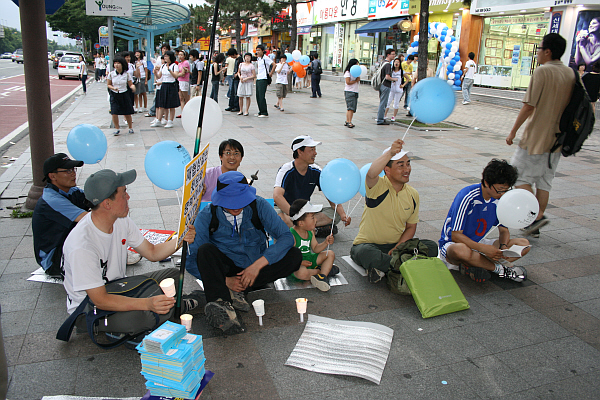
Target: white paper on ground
{"points": [[39, 271], [288, 284], [46, 279], [354, 265], [352, 348]]}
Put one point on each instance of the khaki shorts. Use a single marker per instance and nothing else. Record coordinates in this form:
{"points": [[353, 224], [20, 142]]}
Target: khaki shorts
{"points": [[281, 90], [533, 168]]}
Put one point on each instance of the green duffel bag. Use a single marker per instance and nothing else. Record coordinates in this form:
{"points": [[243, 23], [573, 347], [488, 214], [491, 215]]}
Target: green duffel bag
{"points": [[412, 248], [433, 287]]}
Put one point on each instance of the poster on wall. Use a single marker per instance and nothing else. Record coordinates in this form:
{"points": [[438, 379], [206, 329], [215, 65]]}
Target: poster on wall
{"points": [[387, 9], [586, 42], [326, 11]]}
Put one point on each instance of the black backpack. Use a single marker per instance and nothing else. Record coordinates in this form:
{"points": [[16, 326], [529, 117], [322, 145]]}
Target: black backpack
{"points": [[576, 122], [214, 221], [318, 70]]}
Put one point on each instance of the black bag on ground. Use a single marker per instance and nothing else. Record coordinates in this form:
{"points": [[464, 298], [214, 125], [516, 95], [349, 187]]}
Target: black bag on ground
{"points": [[576, 122], [411, 249], [133, 286]]}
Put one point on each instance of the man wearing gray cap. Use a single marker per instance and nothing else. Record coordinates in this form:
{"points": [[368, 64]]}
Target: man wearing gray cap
{"points": [[390, 215], [95, 253], [298, 179], [59, 209]]}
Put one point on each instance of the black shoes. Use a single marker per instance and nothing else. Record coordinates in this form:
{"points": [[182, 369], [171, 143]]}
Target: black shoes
{"points": [[325, 230]]}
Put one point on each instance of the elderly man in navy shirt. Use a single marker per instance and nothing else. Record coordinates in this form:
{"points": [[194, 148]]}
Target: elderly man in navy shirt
{"points": [[57, 212]]}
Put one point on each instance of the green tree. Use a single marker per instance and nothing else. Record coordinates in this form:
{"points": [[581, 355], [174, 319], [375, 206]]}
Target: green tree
{"points": [[11, 41], [198, 27], [72, 20]]}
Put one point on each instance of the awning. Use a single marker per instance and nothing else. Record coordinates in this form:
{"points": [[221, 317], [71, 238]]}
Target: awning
{"points": [[382, 25], [51, 5]]}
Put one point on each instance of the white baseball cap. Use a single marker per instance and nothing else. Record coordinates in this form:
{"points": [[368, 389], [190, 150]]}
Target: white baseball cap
{"points": [[307, 208], [303, 140], [399, 155]]}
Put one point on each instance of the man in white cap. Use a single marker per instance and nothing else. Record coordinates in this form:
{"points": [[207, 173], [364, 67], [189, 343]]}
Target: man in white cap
{"points": [[95, 253], [297, 179], [390, 215], [230, 253]]}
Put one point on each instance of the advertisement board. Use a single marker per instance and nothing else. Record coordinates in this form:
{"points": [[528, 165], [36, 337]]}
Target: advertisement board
{"points": [[329, 11], [108, 8], [379, 9]]}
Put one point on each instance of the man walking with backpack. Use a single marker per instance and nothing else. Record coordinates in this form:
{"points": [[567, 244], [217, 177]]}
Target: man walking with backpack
{"points": [[315, 76], [385, 73], [546, 98]]}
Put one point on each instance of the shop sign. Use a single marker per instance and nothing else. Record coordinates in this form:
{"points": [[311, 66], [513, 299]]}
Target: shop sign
{"points": [[252, 30], [494, 6], [436, 6], [304, 13], [304, 30], [264, 28], [281, 21], [204, 43], [515, 54], [338, 45], [555, 21], [525, 19], [388, 8], [108, 8], [329, 11]]}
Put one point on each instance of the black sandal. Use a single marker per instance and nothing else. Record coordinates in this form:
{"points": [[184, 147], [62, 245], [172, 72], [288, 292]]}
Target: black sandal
{"points": [[350, 125], [346, 123]]}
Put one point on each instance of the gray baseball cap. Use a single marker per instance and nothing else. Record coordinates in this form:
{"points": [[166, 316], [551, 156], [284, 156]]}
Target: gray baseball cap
{"points": [[100, 185]]}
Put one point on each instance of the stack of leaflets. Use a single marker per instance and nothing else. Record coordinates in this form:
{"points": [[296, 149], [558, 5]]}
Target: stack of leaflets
{"points": [[172, 368]]}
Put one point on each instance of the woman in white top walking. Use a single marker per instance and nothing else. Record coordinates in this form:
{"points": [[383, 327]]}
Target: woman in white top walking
{"points": [[120, 101], [82, 72], [350, 92], [247, 74], [140, 80], [397, 89], [168, 95], [468, 78]]}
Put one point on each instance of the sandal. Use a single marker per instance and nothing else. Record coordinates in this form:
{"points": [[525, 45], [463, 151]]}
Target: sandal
{"points": [[245, 115], [275, 105], [350, 125], [240, 113], [346, 123], [281, 109]]}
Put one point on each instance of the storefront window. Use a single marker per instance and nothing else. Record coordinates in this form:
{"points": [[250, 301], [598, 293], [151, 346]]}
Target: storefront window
{"points": [[327, 46], [359, 46], [510, 42], [313, 42]]}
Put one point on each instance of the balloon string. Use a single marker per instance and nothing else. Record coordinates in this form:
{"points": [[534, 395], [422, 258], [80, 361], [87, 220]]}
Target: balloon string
{"points": [[490, 231], [332, 224], [405, 133], [359, 200]]}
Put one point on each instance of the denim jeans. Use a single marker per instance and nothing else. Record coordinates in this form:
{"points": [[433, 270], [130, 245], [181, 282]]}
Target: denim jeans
{"points": [[214, 93], [83, 81], [466, 89], [315, 84], [384, 94], [407, 93], [234, 100], [229, 79]]}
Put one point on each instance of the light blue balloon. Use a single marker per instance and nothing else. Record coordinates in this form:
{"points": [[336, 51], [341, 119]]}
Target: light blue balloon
{"points": [[458, 73], [304, 60], [453, 62], [288, 57], [87, 143], [340, 180], [415, 44], [448, 46], [355, 71], [452, 39], [457, 57], [442, 38], [165, 164], [457, 82], [431, 100], [363, 175]]}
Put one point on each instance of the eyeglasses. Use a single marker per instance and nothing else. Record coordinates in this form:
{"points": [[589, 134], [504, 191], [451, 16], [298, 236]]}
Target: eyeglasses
{"points": [[68, 171], [229, 154], [501, 191]]}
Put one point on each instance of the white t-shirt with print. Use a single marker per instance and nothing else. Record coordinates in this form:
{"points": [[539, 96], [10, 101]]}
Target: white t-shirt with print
{"points": [[282, 73], [91, 258], [470, 66]]}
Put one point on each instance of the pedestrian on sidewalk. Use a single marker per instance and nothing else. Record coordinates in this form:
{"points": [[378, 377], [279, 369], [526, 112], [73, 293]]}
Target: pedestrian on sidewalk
{"points": [[397, 90], [234, 100], [96, 67], [315, 76], [168, 99], [196, 68], [83, 73], [140, 80], [468, 78], [247, 75], [546, 98], [386, 85], [591, 82], [184, 79], [283, 71], [102, 72], [232, 54], [264, 73], [158, 61], [120, 101], [407, 69], [216, 71], [350, 92]]}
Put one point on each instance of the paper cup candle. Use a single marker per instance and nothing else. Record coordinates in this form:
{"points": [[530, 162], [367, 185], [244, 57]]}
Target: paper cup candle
{"points": [[186, 320], [259, 309], [301, 307], [168, 287]]}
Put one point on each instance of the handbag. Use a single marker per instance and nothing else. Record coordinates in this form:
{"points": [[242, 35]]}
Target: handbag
{"points": [[269, 79], [139, 286]]}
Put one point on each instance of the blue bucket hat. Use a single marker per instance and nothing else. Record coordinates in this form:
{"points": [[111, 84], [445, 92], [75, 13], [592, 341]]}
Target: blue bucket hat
{"points": [[232, 191]]}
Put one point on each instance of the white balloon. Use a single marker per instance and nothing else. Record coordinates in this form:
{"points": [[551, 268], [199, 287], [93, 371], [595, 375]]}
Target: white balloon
{"points": [[459, 63], [364, 70], [433, 31], [450, 82], [416, 38], [451, 75], [451, 54], [456, 67], [296, 54], [442, 26], [447, 39], [454, 47], [450, 32], [211, 123], [447, 59], [517, 208]]}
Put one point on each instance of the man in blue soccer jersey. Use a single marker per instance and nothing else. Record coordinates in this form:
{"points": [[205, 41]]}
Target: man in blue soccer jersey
{"points": [[473, 213]]}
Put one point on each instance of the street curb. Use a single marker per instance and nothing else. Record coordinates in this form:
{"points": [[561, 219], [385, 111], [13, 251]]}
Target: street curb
{"points": [[22, 130]]}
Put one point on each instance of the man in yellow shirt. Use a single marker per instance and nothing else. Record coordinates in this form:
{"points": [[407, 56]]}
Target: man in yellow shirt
{"points": [[407, 67], [390, 215]]}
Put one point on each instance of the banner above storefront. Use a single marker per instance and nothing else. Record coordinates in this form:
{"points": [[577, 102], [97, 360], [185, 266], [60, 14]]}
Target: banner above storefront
{"points": [[494, 6], [329, 11], [436, 6], [304, 13], [387, 9]]}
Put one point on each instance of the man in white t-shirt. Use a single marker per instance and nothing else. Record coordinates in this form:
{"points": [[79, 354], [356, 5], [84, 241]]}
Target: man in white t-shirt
{"points": [[95, 253], [468, 78], [264, 70]]}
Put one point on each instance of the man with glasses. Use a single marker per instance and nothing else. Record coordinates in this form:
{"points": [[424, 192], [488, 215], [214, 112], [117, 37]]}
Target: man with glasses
{"points": [[546, 98], [231, 153], [463, 243], [57, 212]]}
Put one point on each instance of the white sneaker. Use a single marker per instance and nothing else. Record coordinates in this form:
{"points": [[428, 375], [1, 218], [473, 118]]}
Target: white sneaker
{"points": [[169, 124], [164, 121], [155, 123], [393, 119], [466, 102]]}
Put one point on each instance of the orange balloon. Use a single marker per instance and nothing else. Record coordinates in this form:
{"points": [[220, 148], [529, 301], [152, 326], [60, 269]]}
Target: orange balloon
{"points": [[291, 62], [297, 67], [302, 73]]}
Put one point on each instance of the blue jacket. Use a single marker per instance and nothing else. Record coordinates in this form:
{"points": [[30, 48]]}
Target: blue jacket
{"points": [[247, 246]]}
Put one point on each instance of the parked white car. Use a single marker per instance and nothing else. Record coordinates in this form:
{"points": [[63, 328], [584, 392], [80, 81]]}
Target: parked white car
{"points": [[68, 66]]}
